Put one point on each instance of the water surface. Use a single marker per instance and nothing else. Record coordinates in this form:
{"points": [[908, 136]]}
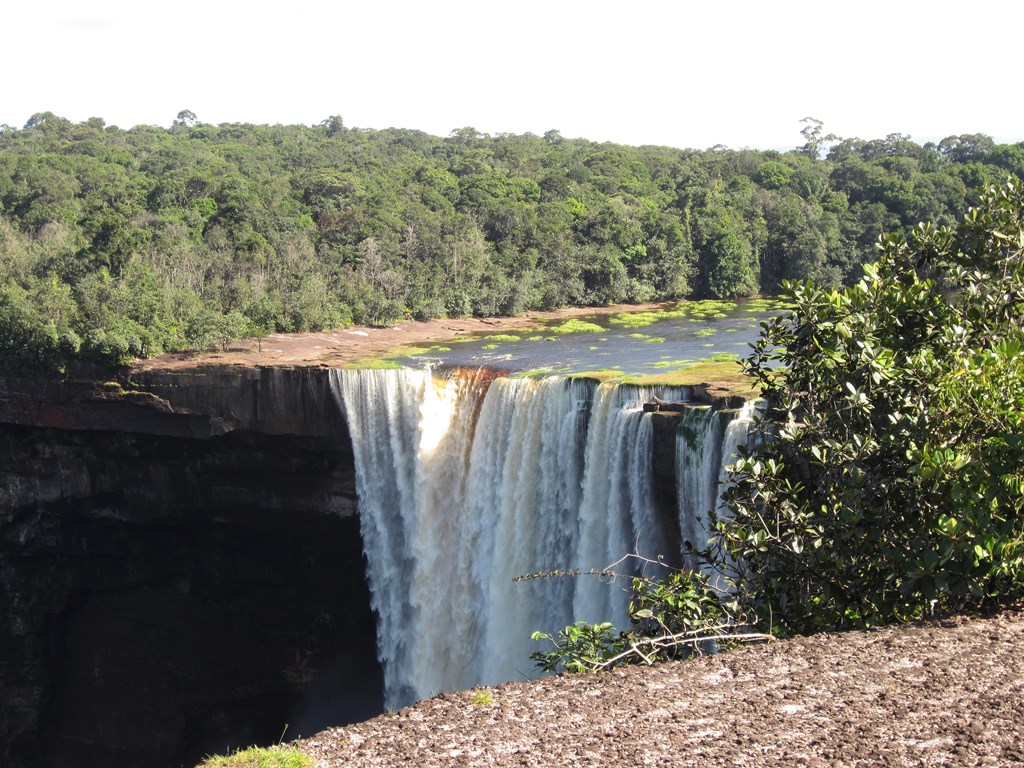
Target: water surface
{"points": [[694, 332]]}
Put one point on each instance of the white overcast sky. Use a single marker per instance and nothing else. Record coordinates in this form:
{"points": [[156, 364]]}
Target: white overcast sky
{"points": [[686, 74]]}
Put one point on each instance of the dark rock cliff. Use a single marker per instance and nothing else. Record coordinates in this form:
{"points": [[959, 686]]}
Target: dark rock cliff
{"points": [[180, 567]]}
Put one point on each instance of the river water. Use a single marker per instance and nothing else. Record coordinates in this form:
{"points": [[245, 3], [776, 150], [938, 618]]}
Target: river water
{"points": [[627, 343]]}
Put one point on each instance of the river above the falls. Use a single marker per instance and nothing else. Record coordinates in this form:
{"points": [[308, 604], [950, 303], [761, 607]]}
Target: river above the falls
{"points": [[628, 343]]}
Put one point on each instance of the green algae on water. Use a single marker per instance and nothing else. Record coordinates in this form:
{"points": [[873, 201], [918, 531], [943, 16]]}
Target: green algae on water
{"points": [[575, 326]]}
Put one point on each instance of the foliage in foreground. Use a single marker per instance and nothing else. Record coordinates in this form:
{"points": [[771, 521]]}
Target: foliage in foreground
{"points": [[672, 618], [260, 757], [890, 480]]}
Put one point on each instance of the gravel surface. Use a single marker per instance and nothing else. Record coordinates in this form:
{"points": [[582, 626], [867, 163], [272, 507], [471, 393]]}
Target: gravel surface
{"points": [[945, 693]]}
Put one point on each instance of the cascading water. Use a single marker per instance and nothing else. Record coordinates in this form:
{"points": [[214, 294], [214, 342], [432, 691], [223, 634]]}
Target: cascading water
{"points": [[467, 481], [698, 458], [617, 514], [707, 443]]}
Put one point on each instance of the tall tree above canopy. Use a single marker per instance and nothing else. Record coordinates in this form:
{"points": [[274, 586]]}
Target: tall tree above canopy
{"points": [[815, 139]]}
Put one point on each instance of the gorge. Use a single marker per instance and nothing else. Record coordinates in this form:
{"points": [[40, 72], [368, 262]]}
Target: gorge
{"points": [[183, 553]]}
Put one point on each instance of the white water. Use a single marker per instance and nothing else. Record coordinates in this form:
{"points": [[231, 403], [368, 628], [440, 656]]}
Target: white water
{"points": [[617, 515], [698, 458], [705, 449], [465, 484]]}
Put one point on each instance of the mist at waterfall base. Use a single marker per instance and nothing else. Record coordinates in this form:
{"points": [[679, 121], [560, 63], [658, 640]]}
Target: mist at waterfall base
{"points": [[468, 480]]}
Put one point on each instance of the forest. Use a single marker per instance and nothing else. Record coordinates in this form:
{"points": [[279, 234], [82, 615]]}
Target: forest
{"points": [[116, 244]]}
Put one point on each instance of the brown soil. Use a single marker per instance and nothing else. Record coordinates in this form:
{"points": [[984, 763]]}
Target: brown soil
{"points": [[948, 693], [344, 346]]}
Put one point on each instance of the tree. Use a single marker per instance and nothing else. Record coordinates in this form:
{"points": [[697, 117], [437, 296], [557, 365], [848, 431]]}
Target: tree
{"points": [[966, 148], [29, 341], [186, 117], [889, 481], [334, 125], [1010, 157], [774, 175], [49, 124], [794, 247], [726, 259], [222, 214], [814, 140]]}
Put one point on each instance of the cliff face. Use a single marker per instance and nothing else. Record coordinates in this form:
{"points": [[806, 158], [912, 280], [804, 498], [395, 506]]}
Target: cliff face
{"points": [[181, 570]]}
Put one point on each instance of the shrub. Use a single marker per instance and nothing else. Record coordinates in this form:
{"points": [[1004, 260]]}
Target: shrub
{"points": [[889, 481]]}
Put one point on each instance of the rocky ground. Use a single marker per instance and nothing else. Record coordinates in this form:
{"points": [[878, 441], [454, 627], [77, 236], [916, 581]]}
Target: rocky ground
{"points": [[945, 693]]}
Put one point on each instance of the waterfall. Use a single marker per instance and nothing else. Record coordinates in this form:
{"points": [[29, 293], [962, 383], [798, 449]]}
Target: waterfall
{"points": [[698, 458], [466, 481], [409, 437], [707, 444], [617, 514]]}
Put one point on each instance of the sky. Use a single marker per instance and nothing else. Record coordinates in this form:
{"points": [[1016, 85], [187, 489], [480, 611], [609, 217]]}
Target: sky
{"points": [[741, 73]]}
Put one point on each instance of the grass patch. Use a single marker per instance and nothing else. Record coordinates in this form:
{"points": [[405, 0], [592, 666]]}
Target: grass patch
{"points": [[695, 310], [502, 337], [373, 364], [639, 335], [705, 332], [766, 305], [655, 340], [540, 372], [482, 698], [600, 376], [490, 346], [637, 320], [669, 363], [535, 338], [414, 351], [727, 376], [575, 326], [260, 757], [641, 319]]}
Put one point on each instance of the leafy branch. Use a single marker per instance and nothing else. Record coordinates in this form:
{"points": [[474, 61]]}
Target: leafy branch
{"points": [[672, 618]]}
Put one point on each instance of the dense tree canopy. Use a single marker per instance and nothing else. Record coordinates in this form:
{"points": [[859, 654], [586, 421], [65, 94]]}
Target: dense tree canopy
{"points": [[118, 243]]}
